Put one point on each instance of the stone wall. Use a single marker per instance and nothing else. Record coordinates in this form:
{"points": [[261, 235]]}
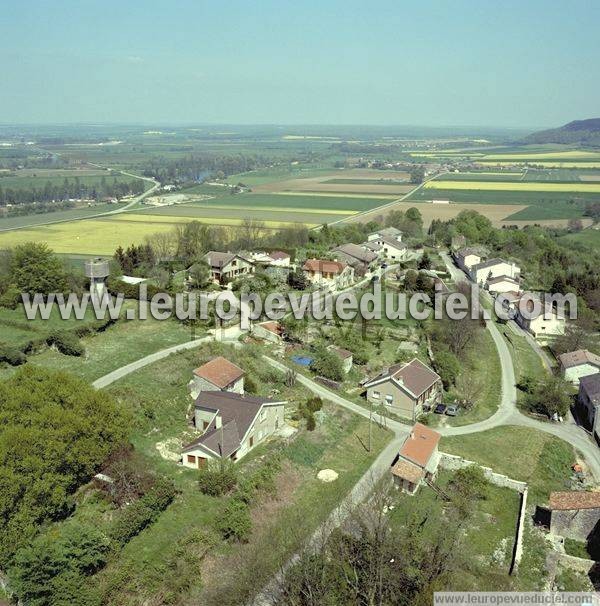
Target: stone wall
{"points": [[454, 462]]}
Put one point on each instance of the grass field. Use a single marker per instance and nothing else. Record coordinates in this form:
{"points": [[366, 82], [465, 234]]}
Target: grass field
{"points": [[521, 186], [521, 453], [39, 181], [588, 237]]}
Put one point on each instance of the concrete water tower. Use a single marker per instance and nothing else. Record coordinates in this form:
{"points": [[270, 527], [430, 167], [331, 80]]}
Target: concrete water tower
{"points": [[97, 271]]}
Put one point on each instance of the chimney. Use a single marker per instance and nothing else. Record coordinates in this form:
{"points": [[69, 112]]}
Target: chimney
{"points": [[218, 421]]}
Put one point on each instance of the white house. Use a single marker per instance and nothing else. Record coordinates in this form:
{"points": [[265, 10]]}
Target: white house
{"points": [[232, 425], [333, 275], [502, 284], [466, 258], [493, 268], [227, 266], [219, 374], [577, 364], [541, 319], [280, 258], [389, 248]]}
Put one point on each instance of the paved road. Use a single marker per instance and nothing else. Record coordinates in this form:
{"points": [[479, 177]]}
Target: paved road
{"points": [[508, 413]]}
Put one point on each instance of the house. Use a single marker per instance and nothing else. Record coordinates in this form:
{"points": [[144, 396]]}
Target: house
{"points": [[334, 275], [227, 266], [542, 321], [361, 259], [405, 388], [386, 232], [493, 268], [417, 460], [574, 514], [345, 356], [269, 331], [219, 374], [232, 424], [390, 248], [577, 364], [502, 284], [466, 258], [589, 399]]}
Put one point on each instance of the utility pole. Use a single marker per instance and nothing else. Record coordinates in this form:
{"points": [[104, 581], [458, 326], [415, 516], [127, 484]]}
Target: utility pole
{"points": [[370, 422]]}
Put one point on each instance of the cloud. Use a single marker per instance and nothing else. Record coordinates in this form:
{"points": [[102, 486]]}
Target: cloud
{"points": [[134, 59]]}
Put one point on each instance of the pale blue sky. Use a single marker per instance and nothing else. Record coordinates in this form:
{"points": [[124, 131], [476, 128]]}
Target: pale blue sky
{"points": [[526, 63]]}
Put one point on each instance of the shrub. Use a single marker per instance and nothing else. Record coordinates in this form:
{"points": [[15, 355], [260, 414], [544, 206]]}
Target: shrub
{"points": [[143, 512], [250, 385], [314, 404], [10, 298], [311, 424], [11, 355], [67, 343], [327, 364], [235, 523], [217, 478]]}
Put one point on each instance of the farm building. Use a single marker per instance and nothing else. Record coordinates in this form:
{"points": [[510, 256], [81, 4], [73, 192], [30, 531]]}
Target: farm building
{"points": [[417, 460], [577, 364], [217, 375], [405, 388], [232, 425]]}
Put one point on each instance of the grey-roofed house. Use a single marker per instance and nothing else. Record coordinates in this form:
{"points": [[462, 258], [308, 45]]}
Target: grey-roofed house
{"points": [[356, 256], [589, 400], [405, 388], [226, 266], [385, 232], [577, 364], [466, 258], [390, 248], [232, 425], [493, 268]]}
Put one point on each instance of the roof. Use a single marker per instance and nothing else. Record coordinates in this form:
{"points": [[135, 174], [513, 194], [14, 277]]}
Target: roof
{"points": [[237, 413], [392, 242], [220, 372], [342, 353], [464, 252], [415, 377], [576, 358], [498, 279], [408, 471], [591, 386], [357, 252], [490, 263], [273, 327], [372, 246], [324, 265], [574, 499], [387, 231], [279, 254], [218, 260], [420, 444], [511, 296]]}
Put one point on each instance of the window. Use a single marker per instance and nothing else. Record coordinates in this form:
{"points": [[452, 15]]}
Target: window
{"points": [[205, 424], [251, 442], [191, 459], [375, 395], [389, 399]]}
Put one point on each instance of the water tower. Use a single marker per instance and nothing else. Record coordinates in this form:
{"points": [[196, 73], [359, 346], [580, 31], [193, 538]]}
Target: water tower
{"points": [[97, 271]]}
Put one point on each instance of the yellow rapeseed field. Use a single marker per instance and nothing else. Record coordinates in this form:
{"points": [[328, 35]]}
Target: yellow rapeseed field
{"points": [[563, 155], [515, 186], [546, 164]]}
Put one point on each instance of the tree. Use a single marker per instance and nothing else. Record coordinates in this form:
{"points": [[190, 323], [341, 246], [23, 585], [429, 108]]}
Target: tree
{"points": [[199, 274], [36, 269], [417, 174], [235, 523], [297, 279], [424, 261], [469, 388], [549, 397], [327, 364], [447, 366]]}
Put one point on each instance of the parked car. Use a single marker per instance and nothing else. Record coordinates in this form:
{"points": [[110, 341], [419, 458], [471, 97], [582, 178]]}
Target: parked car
{"points": [[452, 410], [440, 409]]}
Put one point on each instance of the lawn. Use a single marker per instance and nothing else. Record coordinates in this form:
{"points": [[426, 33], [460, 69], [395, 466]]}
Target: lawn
{"points": [[492, 529], [522, 453], [120, 344]]}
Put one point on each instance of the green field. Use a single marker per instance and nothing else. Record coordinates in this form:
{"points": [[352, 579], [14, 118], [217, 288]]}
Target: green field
{"points": [[39, 181], [588, 237]]}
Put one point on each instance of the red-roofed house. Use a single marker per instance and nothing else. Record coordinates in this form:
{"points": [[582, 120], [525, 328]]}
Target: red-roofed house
{"points": [[217, 375], [418, 459], [269, 331], [405, 388], [323, 273]]}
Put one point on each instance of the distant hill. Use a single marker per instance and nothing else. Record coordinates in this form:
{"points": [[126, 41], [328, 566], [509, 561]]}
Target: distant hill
{"points": [[581, 132]]}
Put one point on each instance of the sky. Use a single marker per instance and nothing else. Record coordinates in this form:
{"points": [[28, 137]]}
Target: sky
{"points": [[436, 63]]}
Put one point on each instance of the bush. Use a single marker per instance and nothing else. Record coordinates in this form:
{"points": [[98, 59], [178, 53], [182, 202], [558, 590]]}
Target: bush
{"points": [[250, 385], [67, 343], [311, 424], [11, 355], [10, 298], [143, 512], [327, 364], [314, 404], [235, 523], [217, 478]]}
